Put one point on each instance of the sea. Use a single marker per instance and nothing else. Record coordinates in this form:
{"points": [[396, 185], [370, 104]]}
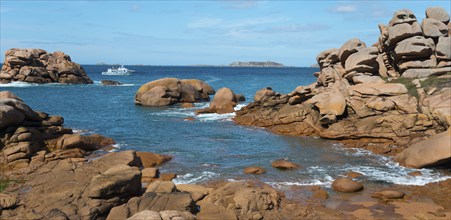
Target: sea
{"points": [[211, 147]]}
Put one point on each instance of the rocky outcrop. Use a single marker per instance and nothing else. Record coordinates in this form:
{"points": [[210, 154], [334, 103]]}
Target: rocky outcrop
{"points": [[356, 98], [39, 66], [169, 91], [27, 135]]}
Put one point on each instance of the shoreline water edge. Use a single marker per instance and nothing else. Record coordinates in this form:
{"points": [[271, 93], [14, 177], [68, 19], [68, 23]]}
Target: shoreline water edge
{"points": [[389, 100]]}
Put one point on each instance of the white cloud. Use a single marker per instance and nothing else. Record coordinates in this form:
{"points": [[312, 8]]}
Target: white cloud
{"points": [[344, 9], [135, 8]]}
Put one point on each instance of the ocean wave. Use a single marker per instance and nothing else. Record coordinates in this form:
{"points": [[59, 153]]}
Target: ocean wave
{"points": [[213, 79], [26, 84], [191, 178]]}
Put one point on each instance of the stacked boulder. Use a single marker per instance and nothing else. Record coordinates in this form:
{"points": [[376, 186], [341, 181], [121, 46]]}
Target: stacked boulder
{"points": [[412, 50], [353, 98], [39, 66], [169, 91], [28, 136]]}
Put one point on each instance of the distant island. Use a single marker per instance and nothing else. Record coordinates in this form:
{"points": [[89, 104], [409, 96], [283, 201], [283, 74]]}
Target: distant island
{"points": [[256, 64]]}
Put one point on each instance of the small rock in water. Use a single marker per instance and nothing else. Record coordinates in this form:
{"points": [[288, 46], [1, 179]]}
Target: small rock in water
{"points": [[388, 194], [284, 164], [353, 174], [187, 105], [254, 170], [189, 119], [415, 173], [110, 83], [320, 194], [346, 185]]}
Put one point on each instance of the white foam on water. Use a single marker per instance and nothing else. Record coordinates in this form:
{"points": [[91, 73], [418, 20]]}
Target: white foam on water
{"points": [[25, 84], [213, 79], [116, 147], [388, 170], [190, 178], [215, 117]]}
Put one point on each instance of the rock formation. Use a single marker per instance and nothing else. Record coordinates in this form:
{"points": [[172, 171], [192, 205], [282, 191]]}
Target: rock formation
{"points": [[369, 94], [28, 136], [39, 66], [169, 91]]}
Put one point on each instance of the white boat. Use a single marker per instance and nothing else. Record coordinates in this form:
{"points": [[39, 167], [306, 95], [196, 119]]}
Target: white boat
{"points": [[120, 71]]}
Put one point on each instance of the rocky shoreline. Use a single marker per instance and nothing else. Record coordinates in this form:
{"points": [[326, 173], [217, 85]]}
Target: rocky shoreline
{"points": [[362, 98]]}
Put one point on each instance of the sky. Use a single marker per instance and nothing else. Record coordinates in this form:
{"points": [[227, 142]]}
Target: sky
{"points": [[195, 32]]}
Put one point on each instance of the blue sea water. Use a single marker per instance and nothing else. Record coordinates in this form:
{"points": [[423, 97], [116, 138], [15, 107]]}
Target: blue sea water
{"points": [[212, 146]]}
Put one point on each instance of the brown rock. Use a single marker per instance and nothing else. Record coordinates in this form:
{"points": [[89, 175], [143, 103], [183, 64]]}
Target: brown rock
{"points": [[434, 28], [7, 201], [161, 187], [150, 172], [172, 214], [362, 61], [353, 174], [442, 49], [149, 159], [168, 91], [240, 98], [262, 93], [346, 185], [284, 164], [348, 48], [327, 58], [254, 170], [145, 215], [320, 194], [224, 101], [168, 176], [431, 152], [110, 83], [187, 105], [117, 180], [197, 192], [402, 31], [437, 13], [388, 194], [88, 143], [415, 173]]}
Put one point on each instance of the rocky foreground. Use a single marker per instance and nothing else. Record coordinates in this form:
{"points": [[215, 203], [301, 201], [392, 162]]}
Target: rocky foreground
{"points": [[39, 66], [384, 98]]}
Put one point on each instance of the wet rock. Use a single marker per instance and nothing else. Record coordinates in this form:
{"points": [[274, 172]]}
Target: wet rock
{"points": [[320, 194], [187, 105], [388, 194], [254, 170], [110, 83], [346, 185], [353, 174], [284, 164], [415, 173]]}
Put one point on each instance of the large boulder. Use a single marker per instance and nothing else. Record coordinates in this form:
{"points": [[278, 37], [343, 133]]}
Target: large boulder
{"points": [[437, 13], [38, 66], [327, 58], [431, 152], [348, 48], [168, 91], [434, 28], [362, 61], [224, 101], [262, 93]]}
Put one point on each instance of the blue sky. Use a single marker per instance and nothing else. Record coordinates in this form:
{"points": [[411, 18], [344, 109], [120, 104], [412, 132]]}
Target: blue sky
{"points": [[195, 32]]}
